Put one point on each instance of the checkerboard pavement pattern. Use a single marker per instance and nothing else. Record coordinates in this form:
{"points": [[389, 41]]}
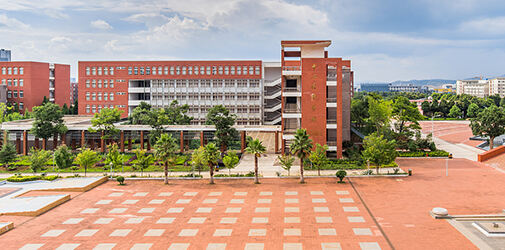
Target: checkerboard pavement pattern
{"points": [[233, 214]]}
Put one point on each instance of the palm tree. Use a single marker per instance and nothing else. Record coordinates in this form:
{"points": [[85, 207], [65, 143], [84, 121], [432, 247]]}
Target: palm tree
{"points": [[165, 150], [211, 156], [301, 147], [256, 148]]}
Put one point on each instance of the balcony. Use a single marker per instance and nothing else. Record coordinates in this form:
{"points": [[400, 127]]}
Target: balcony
{"points": [[292, 70], [291, 92], [291, 108], [331, 100], [331, 142], [331, 121]]}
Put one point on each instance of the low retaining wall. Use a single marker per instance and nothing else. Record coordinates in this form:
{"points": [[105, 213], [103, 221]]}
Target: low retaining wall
{"points": [[491, 153]]}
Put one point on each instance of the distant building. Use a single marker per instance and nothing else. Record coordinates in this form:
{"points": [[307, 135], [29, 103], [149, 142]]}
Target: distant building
{"points": [[404, 88], [5, 55], [497, 86], [375, 87], [478, 88], [74, 93]]}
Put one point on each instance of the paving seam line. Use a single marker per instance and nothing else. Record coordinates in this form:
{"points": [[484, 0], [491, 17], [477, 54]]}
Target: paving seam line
{"points": [[371, 215]]}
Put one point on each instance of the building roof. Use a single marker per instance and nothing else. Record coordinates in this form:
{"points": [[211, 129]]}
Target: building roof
{"points": [[298, 43]]}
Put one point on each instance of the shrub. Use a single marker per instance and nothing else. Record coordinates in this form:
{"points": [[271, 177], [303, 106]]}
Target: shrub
{"points": [[436, 153], [341, 174], [120, 179], [192, 175], [368, 172], [19, 178]]}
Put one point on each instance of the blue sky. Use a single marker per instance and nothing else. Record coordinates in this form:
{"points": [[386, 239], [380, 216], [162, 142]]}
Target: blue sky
{"points": [[386, 40]]}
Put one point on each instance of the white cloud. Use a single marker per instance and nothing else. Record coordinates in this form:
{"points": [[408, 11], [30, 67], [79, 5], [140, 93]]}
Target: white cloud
{"points": [[101, 24], [12, 23], [493, 26]]}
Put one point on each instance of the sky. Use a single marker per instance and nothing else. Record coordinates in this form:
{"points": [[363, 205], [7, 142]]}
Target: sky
{"points": [[386, 40]]}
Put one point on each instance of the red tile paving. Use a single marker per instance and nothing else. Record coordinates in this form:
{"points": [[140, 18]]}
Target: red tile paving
{"points": [[453, 132], [32, 230], [6, 191], [402, 207]]}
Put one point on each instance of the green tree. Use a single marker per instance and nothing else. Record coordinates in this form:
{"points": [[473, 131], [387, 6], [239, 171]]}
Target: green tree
{"points": [[142, 161], [74, 109], [301, 147], [65, 109], [211, 157], [165, 150], [378, 150], [406, 115], [38, 159], [87, 158], [379, 114], [177, 114], [114, 157], [318, 157], [197, 159], [104, 122], [8, 154], [286, 162], [48, 121], [256, 148], [455, 112], [141, 114], [426, 107], [230, 160], [490, 123], [223, 120], [502, 103], [472, 111], [63, 157]]}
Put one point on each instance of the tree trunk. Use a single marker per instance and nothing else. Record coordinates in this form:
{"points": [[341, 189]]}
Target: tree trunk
{"points": [[302, 180], [166, 173], [491, 142], [44, 143], [256, 180], [85, 170], [318, 171], [377, 169], [211, 172]]}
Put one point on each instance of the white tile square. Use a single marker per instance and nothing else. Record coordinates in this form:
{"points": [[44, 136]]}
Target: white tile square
{"points": [[342, 192], [291, 201], [292, 232], [197, 220], [141, 246], [140, 194], [204, 210], [222, 232], [291, 210], [103, 202], [319, 200], [158, 201], [120, 232], [104, 246], [327, 231], [262, 210], [154, 232], [116, 194], [233, 210], [183, 201], [264, 201], [135, 220], [331, 246], [175, 210], [228, 220], [351, 209], [216, 246], [240, 193], [292, 246], [324, 220], [146, 210], [103, 221], [362, 231], [68, 246], [73, 221], [167, 220], [291, 219], [321, 209], [254, 246], [166, 194], [190, 194], [291, 193], [265, 193], [237, 201], [53, 233], [346, 200], [259, 220], [86, 233], [215, 193], [257, 232], [89, 210], [179, 246], [31, 246], [355, 219], [209, 201], [188, 232], [369, 246], [118, 210], [316, 193], [129, 202]]}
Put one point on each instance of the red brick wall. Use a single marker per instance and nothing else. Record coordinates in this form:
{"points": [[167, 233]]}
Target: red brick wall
{"points": [[62, 84]]}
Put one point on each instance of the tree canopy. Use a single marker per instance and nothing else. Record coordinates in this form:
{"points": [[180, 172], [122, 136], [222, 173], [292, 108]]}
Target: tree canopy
{"points": [[378, 150], [48, 120], [490, 122], [301, 147], [104, 122], [223, 120], [165, 150]]}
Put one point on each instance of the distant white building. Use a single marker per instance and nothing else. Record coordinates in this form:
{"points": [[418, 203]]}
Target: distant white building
{"points": [[478, 88], [497, 86]]}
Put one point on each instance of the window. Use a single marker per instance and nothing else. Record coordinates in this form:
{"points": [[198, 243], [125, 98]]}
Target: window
{"points": [[220, 70], [111, 71], [254, 96], [87, 96], [87, 108], [100, 84], [159, 70], [111, 106], [21, 94], [93, 71], [15, 82], [154, 70], [105, 71], [111, 95], [226, 70], [178, 70], [190, 70], [136, 70], [208, 70], [148, 70], [21, 71], [4, 70], [9, 82], [214, 70], [111, 83], [172, 72], [257, 70], [244, 70], [202, 70], [88, 71], [239, 70], [87, 84], [166, 70], [9, 94], [4, 82], [229, 96], [15, 94], [251, 70], [21, 106], [105, 96], [184, 70], [141, 70], [129, 70], [99, 71], [9, 71], [93, 96], [232, 69], [93, 109], [99, 96], [105, 83], [15, 70]]}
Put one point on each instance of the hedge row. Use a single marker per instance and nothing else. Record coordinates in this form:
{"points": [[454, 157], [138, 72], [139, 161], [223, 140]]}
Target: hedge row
{"points": [[437, 153], [20, 178]]}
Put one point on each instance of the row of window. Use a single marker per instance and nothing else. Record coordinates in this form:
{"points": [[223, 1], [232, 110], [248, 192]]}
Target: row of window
{"points": [[94, 96], [208, 96], [216, 83], [100, 71], [193, 70], [12, 71], [95, 83], [13, 82], [238, 110], [15, 94], [239, 121], [95, 108]]}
